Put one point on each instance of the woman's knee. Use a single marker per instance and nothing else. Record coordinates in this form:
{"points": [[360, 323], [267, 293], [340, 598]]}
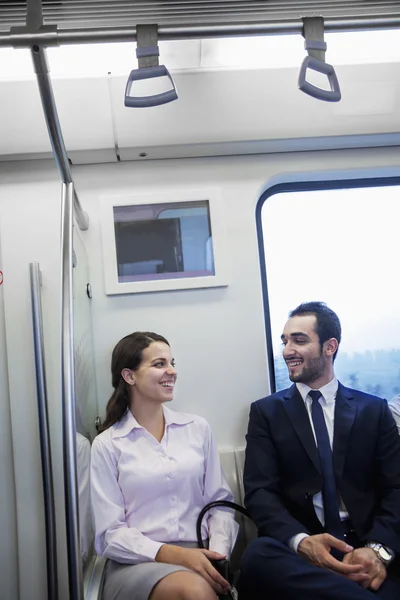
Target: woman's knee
{"points": [[182, 585]]}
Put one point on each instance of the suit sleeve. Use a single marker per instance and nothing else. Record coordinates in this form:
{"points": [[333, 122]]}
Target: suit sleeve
{"points": [[263, 497], [386, 523]]}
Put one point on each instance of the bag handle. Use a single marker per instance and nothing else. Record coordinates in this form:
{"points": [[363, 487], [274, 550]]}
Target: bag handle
{"points": [[222, 566], [209, 506]]}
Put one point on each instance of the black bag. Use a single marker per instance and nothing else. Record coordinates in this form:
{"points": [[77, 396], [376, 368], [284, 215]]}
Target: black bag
{"points": [[223, 566]]}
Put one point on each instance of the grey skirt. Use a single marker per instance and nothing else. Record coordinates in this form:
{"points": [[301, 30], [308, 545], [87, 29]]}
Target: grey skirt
{"points": [[136, 582]]}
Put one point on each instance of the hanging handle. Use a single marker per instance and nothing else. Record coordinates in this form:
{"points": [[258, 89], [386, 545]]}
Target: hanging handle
{"points": [[147, 53], [332, 95], [313, 32], [154, 100]]}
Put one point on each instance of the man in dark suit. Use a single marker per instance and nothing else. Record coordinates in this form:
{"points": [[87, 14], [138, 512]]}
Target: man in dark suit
{"points": [[321, 478]]}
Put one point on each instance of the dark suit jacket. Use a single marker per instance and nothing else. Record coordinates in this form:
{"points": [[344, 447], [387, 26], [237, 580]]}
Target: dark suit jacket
{"points": [[282, 473]]}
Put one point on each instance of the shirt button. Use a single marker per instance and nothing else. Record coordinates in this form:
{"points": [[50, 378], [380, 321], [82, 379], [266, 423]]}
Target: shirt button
{"points": [[170, 475], [173, 498]]}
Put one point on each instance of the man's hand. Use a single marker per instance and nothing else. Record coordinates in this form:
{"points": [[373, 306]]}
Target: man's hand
{"points": [[372, 566], [197, 560], [316, 549]]}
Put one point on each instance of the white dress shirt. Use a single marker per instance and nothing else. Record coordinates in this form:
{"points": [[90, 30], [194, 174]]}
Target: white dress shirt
{"points": [[394, 405], [327, 402], [146, 493]]}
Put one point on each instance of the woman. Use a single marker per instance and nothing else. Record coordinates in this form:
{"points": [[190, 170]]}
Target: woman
{"points": [[152, 472]]}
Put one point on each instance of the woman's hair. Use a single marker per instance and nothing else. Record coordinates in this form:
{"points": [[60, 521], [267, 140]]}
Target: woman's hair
{"points": [[127, 354]]}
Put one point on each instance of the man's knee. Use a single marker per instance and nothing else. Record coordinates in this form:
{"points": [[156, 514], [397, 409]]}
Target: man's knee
{"points": [[262, 547]]}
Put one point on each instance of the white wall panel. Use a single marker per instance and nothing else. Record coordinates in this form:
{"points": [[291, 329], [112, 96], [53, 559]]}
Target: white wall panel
{"points": [[8, 521], [217, 335], [84, 112], [30, 200], [214, 106], [259, 104], [22, 126]]}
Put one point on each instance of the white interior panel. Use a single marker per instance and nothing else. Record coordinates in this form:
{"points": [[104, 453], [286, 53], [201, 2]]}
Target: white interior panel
{"points": [[22, 124], [217, 336], [85, 381], [8, 522], [214, 106], [84, 111], [239, 105], [30, 202]]}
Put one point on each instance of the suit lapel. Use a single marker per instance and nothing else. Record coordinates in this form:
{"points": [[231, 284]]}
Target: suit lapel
{"points": [[345, 412], [297, 413]]}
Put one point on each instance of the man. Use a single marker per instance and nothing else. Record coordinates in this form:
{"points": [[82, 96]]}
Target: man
{"points": [[322, 479]]}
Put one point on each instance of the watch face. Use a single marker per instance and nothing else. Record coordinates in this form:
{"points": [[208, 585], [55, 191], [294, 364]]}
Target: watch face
{"points": [[384, 553]]}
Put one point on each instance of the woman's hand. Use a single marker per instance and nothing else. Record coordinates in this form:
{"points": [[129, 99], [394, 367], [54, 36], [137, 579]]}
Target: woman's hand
{"points": [[197, 560]]}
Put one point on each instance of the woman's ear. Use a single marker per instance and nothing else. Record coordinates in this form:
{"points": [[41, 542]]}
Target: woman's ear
{"points": [[128, 376]]}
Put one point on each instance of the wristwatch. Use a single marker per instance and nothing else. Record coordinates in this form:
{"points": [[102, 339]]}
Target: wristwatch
{"points": [[385, 554]]}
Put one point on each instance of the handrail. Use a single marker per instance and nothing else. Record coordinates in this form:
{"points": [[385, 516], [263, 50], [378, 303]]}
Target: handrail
{"points": [[45, 449], [23, 38], [53, 125], [68, 397]]}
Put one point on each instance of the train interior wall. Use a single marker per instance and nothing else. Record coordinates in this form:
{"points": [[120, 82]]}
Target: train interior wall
{"points": [[217, 334], [8, 521]]}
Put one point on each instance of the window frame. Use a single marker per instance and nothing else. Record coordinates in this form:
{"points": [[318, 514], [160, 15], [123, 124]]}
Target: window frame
{"points": [[290, 187]]}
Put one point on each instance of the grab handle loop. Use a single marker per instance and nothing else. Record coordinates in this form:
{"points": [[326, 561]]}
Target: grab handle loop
{"points": [[147, 53], [313, 33]]}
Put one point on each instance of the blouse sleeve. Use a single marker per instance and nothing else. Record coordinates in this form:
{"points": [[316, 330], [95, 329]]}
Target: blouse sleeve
{"points": [[113, 537], [222, 527]]}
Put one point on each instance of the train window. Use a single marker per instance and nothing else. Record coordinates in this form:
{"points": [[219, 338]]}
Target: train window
{"points": [[338, 245], [159, 245]]}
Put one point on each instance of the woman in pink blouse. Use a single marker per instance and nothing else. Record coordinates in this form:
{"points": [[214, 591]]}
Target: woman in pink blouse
{"points": [[152, 471]]}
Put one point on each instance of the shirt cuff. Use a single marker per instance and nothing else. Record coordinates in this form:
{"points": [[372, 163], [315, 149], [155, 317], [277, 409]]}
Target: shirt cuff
{"points": [[294, 541], [222, 535], [149, 548]]}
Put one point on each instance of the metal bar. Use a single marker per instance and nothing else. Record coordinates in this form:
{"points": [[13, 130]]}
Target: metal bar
{"points": [[68, 397], [114, 9], [45, 449], [179, 32], [53, 125], [34, 15]]}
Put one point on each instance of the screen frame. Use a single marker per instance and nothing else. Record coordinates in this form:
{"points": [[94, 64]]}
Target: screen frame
{"points": [[112, 284]]}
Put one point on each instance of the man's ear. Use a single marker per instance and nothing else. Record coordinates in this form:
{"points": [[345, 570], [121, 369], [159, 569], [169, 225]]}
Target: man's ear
{"points": [[331, 346], [128, 376]]}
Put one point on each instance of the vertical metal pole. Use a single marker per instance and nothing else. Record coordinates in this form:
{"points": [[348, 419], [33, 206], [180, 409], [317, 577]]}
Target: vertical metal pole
{"points": [[68, 397], [53, 125], [45, 449]]}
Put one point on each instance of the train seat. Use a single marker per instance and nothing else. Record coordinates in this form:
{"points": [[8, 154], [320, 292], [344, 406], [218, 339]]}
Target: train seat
{"points": [[232, 464], [249, 528]]}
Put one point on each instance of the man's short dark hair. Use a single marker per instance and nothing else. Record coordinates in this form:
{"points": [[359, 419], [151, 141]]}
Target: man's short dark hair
{"points": [[328, 323]]}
